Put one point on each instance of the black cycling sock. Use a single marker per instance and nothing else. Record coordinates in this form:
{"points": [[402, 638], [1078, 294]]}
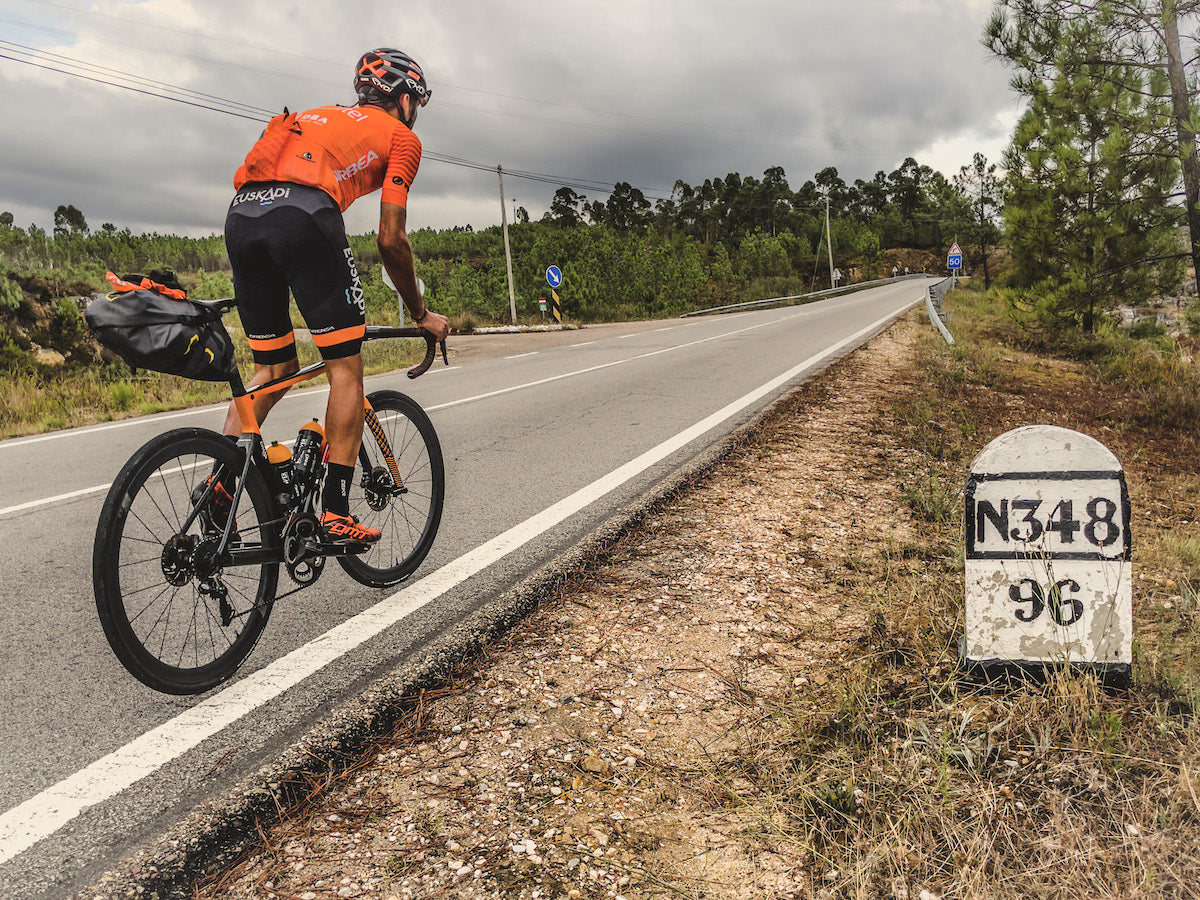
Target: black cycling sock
{"points": [[336, 495]]}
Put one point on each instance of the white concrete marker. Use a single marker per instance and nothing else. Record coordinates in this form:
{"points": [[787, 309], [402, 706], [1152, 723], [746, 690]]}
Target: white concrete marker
{"points": [[1048, 571]]}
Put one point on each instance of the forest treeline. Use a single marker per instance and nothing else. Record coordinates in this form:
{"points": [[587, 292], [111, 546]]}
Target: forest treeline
{"points": [[725, 240]]}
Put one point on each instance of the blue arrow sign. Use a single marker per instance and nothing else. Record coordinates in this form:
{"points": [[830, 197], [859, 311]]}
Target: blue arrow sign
{"points": [[554, 276]]}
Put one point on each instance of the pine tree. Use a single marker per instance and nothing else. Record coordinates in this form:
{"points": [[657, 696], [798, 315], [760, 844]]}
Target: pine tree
{"points": [[979, 184], [1135, 41], [1088, 208]]}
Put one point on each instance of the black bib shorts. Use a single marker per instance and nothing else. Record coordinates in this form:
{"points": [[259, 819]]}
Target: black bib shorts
{"points": [[279, 236]]}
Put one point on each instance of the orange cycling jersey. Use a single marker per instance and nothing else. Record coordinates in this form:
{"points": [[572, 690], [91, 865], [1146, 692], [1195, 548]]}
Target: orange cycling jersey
{"points": [[346, 151]]}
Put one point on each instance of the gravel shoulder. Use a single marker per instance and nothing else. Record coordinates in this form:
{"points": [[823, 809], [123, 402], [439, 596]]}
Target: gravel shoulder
{"points": [[577, 756]]}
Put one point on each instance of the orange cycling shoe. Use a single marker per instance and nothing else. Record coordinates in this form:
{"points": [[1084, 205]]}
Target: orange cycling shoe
{"points": [[337, 529]]}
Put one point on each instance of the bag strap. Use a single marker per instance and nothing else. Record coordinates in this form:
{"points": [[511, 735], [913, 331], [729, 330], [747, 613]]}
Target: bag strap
{"points": [[122, 285]]}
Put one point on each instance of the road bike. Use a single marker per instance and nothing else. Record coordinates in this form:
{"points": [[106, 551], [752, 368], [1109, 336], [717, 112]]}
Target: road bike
{"points": [[194, 530]]}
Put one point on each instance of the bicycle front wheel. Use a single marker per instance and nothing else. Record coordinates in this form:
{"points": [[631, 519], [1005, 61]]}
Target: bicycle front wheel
{"points": [[400, 488], [178, 618]]}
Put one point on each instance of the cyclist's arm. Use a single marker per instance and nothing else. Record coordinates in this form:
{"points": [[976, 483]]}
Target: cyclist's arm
{"points": [[398, 259]]}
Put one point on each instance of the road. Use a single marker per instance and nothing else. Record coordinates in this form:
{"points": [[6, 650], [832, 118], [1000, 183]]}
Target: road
{"points": [[541, 447]]}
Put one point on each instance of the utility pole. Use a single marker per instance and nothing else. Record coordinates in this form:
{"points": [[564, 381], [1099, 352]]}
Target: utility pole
{"points": [[829, 241], [512, 297]]}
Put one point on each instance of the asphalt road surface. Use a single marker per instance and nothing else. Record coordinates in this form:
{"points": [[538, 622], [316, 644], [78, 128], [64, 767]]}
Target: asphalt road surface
{"points": [[541, 446]]}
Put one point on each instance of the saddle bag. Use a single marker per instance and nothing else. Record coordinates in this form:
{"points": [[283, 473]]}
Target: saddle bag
{"points": [[154, 326]]}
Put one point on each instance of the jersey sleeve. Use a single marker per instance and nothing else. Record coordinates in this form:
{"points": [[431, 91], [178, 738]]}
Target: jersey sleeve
{"points": [[404, 158]]}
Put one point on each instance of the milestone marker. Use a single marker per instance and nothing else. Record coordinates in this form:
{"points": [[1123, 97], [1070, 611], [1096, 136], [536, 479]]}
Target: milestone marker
{"points": [[1048, 557]]}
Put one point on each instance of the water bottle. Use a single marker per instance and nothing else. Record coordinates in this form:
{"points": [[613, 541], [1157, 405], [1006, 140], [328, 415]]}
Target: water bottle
{"points": [[280, 458], [306, 459]]}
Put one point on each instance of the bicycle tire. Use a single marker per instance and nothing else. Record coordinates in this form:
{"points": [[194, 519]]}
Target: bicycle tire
{"points": [[168, 634], [408, 521]]}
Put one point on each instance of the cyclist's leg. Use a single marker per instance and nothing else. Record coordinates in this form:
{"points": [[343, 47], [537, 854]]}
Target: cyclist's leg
{"points": [[263, 403], [344, 417], [344, 410], [259, 243], [325, 282]]}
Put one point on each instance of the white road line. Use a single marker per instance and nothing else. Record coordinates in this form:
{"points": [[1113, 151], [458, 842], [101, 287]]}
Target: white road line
{"points": [[40, 816], [584, 344], [48, 501], [601, 366], [523, 355], [35, 504], [89, 430]]}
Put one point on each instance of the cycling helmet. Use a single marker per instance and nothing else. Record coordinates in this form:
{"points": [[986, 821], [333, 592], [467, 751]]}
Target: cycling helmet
{"points": [[385, 74]]}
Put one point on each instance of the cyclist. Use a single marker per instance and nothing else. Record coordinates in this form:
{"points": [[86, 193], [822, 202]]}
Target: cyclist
{"points": [[285, 230]]}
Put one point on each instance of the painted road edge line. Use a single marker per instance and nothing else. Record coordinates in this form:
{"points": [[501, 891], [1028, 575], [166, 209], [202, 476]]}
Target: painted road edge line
{"points": [[30, 822]]}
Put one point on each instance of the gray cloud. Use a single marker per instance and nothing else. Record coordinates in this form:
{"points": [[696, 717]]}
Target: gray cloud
{"points": [[632, 90]]}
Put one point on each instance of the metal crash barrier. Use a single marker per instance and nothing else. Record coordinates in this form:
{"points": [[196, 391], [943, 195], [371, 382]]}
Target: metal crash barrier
{"points": [[800, 298], [933, 300], [933, 305]]}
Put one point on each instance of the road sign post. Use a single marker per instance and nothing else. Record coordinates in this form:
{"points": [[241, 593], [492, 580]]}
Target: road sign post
{"points": [[554, 278], [1048, 558]]}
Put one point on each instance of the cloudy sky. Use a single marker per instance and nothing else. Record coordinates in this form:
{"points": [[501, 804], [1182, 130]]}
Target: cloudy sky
{"points": [[571, 91]]}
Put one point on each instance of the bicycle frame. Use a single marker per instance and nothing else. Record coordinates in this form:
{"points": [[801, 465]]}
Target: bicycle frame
{"points": [[251, 442]]}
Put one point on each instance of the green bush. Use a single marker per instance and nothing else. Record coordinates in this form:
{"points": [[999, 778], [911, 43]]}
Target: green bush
{"points": [[10, 294], [68, 323], [12, 358], [1147, 328], [211, 286]]}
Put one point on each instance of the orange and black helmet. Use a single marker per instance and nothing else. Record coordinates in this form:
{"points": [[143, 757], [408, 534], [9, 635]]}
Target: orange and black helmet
{"points": [[385, 74]]}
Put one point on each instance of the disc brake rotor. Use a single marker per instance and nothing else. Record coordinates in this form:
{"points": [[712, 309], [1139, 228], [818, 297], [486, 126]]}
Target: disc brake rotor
{"points": [[178, 559]]}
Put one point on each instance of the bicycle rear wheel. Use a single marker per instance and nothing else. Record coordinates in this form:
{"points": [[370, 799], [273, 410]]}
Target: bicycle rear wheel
{"points": [[403, 501], [179, 619]]}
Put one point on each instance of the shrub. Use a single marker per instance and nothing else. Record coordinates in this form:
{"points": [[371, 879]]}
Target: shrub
{"points": [[10, 294]]}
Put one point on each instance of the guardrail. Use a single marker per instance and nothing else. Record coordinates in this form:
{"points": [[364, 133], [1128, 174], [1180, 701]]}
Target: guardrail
{"points": [[800, 298], [933, 306]]}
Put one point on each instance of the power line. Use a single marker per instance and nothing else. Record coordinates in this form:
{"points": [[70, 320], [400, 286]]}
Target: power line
{"points": [[153, 86], [129, 87], [164, 91], [112, 77], [861, 145]]}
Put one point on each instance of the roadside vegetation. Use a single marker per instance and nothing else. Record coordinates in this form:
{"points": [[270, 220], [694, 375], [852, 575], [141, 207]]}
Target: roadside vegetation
{"points": [[1055, 790], [878, 771]]}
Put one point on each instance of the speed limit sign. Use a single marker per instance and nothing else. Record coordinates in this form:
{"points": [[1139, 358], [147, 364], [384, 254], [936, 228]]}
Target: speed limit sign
{"points": [[1048, 556]]}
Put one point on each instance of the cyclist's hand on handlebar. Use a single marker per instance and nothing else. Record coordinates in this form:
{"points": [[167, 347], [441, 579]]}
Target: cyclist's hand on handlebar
{"points": [[435, 323]]}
